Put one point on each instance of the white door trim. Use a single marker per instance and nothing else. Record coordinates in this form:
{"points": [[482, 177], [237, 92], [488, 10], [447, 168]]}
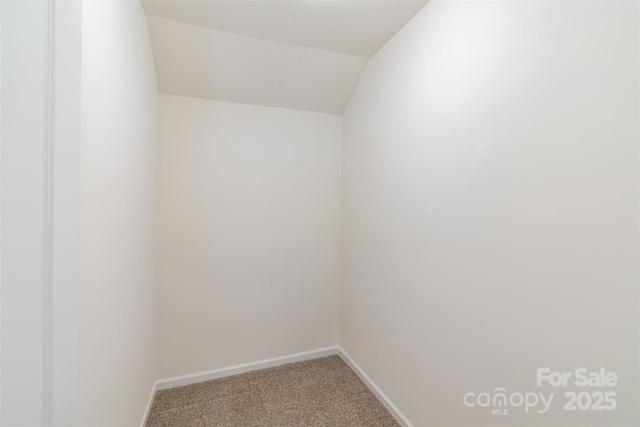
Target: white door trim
{"points": [[47, 214]]}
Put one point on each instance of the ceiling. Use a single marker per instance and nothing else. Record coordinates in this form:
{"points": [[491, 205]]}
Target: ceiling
{"points": [[303, 54]]}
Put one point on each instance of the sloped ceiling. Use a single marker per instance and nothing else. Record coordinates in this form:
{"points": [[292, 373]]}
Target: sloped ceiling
{"points": [[303, 54]]}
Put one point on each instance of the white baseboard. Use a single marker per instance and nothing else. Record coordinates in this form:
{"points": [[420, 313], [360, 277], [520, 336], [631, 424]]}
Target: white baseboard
{"points": [[246, 367], [147, 409], [198, 377], [393, 409]]}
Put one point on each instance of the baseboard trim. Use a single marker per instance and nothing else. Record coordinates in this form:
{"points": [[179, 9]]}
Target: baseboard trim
{"points": [[393, 409], [147, 409], [198, 377], [245, 367]]}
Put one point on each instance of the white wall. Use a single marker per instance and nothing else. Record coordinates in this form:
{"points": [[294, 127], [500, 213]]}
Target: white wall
{"points": [[116, 346], [249, 202], [490, 207], [237, 68]]}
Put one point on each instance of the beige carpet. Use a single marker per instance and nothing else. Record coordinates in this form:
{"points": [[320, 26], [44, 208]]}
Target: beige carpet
{"points": [[321, 392]]}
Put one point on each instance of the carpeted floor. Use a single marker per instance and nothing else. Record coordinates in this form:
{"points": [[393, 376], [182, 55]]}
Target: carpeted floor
{"points": [[317, 393]]}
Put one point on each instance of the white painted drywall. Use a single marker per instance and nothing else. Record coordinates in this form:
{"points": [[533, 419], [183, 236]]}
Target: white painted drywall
{"points": [[490, 208], [23, 53], [353, 27], [115, 296], [206, 63], [249, 217]]}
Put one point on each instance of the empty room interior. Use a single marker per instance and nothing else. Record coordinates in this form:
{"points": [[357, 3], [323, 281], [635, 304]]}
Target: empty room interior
{"points": [[317, 213]]}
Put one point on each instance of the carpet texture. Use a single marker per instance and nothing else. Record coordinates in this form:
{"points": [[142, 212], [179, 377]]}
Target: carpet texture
{"points": [[316, 393]]}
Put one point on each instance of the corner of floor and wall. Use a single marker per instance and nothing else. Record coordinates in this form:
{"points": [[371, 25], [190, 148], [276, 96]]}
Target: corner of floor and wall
{"points": [[472, 216]]}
